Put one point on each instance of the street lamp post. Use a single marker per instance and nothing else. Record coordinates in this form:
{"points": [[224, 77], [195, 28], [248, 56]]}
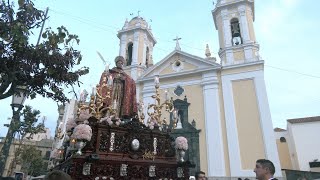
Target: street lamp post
{"points": [[16, 105]]}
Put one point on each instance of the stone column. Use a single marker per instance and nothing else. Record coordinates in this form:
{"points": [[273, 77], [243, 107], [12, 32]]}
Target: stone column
{"points": [[215, 151], [123, 44]]}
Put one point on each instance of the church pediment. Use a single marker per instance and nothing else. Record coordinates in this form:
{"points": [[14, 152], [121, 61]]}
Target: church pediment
{"points": [[179, 62]]}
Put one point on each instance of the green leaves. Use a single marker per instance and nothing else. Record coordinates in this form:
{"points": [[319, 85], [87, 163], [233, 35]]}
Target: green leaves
{"points": [[31, 160], [45, 68], [21, 3], [29, 122]]}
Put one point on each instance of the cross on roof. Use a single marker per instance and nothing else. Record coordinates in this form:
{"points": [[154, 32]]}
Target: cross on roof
{"points": [[177, 43]]}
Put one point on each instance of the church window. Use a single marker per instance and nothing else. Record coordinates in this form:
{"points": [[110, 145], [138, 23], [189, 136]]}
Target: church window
{"points": [[177, 65], [178, 90], [129, 53], [283, 139], [147, 57], [235, 30]]}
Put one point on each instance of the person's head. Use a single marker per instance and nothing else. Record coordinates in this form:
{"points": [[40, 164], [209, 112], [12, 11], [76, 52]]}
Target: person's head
{"points": [[57, 175], [119, 60], [200, 175], [264, 169]]}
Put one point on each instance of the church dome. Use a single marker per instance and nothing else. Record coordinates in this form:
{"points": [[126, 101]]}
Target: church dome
{"points": [[136, 22]]}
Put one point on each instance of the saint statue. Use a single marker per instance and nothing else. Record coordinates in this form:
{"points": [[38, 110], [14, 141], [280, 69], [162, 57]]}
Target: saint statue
{"points": [[122, 90]]}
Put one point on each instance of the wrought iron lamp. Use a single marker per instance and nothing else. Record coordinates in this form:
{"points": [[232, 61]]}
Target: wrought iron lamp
{"points": [[17, 104]]}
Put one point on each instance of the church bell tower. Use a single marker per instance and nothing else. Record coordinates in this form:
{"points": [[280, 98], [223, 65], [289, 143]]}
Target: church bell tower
{"points": [[246, 113], [234, 21], [136, 46]]}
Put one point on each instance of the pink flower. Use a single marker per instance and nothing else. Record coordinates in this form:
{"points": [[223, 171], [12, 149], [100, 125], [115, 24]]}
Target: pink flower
{"points": [[109, 121], [82, 132], [84, 115], [117, 123], [70, 124], [181, 143]]}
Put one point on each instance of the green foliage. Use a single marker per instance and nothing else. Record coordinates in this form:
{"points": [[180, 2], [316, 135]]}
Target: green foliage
{"points": [[29, 123], [32, 161], [45, 68]]}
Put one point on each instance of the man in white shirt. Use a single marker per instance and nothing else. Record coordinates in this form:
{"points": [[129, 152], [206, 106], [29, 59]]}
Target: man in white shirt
{"points": [[264, 170]]}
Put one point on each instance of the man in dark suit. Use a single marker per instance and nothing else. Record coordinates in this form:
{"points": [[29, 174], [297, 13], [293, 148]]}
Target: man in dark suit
{"points": [[264, 170]]}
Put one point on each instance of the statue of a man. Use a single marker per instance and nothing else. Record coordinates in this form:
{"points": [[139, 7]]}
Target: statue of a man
{"points": [[123, 90]]}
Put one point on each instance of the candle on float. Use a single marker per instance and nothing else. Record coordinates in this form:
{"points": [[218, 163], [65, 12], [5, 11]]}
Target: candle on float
{"points": [[166, 95], [114, 104], [175, 114], [93, 91], [156, 80]]}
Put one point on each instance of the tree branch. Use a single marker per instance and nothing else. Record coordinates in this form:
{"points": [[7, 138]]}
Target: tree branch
{"points": [[10, 92]]}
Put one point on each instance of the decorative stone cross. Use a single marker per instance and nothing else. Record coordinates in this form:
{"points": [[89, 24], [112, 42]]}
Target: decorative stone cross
{"points": [[177, 43]]}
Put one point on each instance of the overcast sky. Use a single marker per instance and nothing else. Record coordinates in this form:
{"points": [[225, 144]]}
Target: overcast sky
{"points": [[287, 31]]}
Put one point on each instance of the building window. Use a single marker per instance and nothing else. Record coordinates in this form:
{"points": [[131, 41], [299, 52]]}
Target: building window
{"points": [[177, 65], [178, 90], [47, 156], [129, 53], [283, 139], [235, 30], [147, 57]]}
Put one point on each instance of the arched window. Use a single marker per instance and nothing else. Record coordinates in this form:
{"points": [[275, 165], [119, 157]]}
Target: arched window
{"points": [[147, 57], [129, 53], [235, 31], [283, 139]]}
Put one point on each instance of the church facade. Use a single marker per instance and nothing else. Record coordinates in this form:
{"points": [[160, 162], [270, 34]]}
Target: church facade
{"points": [[223, 106], [227, 101]]}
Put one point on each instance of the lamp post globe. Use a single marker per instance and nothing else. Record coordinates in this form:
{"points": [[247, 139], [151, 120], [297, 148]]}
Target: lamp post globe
{"points": [[19, 97]]}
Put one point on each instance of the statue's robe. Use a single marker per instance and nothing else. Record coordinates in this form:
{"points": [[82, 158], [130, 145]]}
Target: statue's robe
{"points": [[123, 91]]}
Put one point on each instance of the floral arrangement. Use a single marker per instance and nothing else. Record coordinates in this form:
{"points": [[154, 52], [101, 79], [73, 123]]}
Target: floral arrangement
{"points": [[152, 123], [181, 143], [82, 132], [109, 120], [70, 124], [140, 106], [84, 115]]}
